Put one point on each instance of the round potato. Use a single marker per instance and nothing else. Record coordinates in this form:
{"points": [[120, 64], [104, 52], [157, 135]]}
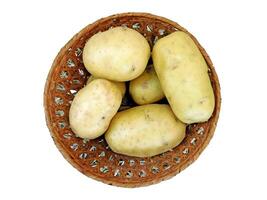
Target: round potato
{"points": [[145, 131], [93, 108], [183, 74], [120, 85], [118, 54], [146, 88]]}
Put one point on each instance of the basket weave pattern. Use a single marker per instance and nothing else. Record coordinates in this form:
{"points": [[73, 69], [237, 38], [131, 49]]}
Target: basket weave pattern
{"points": [[94, 158]]}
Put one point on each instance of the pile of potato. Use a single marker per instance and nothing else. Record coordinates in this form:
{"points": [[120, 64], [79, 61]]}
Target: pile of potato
{"points": [[179, 73]]}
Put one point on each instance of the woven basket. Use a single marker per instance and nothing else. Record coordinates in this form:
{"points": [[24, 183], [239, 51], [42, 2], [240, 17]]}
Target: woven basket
{"points": [[94, 158]]}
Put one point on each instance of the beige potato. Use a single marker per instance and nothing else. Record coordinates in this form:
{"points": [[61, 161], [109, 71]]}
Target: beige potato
{"points": [[93, 108], [145, 131], [183, 74], [120, 85], [118, 54], [146, 88]]}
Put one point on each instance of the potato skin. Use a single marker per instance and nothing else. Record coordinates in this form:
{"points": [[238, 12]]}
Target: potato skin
{"points": [[120, 85], [118, 54], [93, 108], [145, 131], [183, 74], [146, 88]]}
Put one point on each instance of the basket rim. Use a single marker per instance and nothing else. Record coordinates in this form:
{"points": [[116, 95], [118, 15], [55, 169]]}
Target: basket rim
{"points": [[64, 151]]}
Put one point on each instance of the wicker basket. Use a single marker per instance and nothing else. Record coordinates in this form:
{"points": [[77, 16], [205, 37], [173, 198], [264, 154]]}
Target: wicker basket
{"points": [[94, 158]]}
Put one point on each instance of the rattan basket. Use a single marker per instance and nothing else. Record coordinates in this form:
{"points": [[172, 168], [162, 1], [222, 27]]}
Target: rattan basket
{"points": [[94, 158]]}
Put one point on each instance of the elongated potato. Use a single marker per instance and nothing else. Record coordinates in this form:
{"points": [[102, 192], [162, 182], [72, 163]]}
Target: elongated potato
{"points": [[183, 74], [146, 88], [145, 131], [118, 54], [120, 85], [93, 107]]}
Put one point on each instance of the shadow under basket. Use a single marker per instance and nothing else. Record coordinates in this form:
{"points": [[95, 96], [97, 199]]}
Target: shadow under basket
{"points": [[94, 158]]}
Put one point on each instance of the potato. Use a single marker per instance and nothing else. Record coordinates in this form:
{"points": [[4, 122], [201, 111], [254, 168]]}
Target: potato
{"points": [[183, 74], [145, 131], [93, 108], [146, 88], [120, 85], [118, 54]]}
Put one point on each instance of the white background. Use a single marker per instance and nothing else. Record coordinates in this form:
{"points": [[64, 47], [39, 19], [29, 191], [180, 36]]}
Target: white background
{"points": [[232, 166]]}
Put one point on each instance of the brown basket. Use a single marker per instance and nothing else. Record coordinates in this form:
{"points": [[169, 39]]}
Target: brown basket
{"points": [[94, 158]]}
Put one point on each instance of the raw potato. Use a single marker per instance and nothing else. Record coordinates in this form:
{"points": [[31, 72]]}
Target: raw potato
{"points": [[120, 85], [183, 74], [93, 108], [118, 54], [145, 131], [146, 88]]}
